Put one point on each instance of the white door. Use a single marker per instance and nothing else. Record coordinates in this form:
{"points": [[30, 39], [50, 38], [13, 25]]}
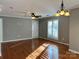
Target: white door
{"points": [[34, 29]]}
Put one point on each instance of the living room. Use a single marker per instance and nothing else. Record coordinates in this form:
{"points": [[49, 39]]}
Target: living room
{"points": [[34, 29]]}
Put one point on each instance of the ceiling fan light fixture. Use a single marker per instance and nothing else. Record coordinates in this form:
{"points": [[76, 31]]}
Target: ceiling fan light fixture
{"points": [[32, 14], [33, 17]]}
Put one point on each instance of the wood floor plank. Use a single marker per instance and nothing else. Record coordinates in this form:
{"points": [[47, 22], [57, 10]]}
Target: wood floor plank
{"points": [[22, 49]]}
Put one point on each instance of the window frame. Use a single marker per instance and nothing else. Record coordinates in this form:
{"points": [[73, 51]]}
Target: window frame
{"points": [[52, 30]]}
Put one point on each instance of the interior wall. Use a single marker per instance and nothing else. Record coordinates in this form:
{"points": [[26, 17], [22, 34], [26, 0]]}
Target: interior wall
{"points": [[43, 28], [1, 29], [16, 28], [63, 28], [74, 30], [1, 33]]}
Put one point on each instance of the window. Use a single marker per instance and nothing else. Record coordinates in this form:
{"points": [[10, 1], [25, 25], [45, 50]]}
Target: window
{"points": [[53, 29]]}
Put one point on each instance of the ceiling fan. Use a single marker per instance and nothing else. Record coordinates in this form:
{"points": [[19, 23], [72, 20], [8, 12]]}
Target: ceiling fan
{"points": [[28, 14], [35, 16]]}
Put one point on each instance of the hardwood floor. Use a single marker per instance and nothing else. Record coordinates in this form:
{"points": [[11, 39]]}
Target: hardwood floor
{"points": [[0, 57], [22, 49]]}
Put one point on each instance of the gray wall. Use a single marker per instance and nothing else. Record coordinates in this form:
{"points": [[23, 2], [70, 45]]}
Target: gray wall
{"points": [[63, 28], [16, 28], [1, 29], [43, 28], [74, 30]]}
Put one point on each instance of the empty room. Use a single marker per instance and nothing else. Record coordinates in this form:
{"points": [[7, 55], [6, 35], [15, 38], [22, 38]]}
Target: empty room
{"points": [[39, 29]]}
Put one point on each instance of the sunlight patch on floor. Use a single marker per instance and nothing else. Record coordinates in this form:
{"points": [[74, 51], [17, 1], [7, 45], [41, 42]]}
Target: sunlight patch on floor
{"points": [[38, 51]]}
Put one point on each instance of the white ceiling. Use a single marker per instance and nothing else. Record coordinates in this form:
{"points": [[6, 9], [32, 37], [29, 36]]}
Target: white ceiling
{"points": [[43, 7]]}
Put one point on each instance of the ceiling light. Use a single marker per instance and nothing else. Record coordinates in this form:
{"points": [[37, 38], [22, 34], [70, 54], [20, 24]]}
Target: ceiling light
{"points": [[62, 11], [33, 17], [67, 14], [57, 14]]}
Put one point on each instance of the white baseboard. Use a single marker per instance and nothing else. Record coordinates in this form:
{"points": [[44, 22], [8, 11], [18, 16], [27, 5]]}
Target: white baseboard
{"points": [[73, 51], [16, 40], [55, 41]]}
